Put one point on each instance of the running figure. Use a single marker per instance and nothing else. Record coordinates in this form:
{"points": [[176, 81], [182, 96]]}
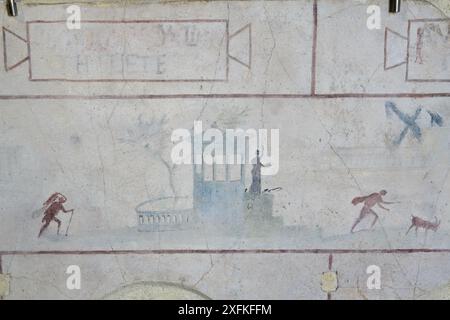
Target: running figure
{"points": [[51, 208], [370, 201]]}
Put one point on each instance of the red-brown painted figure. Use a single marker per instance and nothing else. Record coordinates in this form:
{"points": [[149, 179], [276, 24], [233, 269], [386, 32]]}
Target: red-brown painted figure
{"points": [[52, 207], [370, 201]]}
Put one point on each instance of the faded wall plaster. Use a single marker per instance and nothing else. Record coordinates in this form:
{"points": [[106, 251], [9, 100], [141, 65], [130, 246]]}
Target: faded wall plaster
{"points": [[90, 117]]}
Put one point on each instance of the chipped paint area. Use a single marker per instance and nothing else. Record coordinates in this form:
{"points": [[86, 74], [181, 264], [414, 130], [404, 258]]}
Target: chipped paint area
{"points": [[329, 281], [4, 285]]}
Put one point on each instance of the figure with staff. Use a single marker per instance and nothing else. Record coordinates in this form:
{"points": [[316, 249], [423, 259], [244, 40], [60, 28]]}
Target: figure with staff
{"points": [[51, 208]]}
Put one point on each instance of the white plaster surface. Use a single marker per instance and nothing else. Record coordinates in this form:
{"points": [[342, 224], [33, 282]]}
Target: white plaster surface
{"points": [[91, 112]]}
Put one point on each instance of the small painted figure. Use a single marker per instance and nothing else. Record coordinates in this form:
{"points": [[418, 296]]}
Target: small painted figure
{"points": [[419, 46], [369, 202], [52, 207], [255, 187], [417, 223]]}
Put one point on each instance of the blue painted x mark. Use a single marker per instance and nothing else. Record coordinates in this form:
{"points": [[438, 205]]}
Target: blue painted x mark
{"points": [[408, 120]]}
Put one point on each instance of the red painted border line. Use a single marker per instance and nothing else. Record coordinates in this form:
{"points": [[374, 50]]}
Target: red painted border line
{"points": [[17, 64], [5, 59], [227, 251], [428, 80], [227, 52], [30, 75], [408, 32], [385, 47], [386, 30], [14, 34], [126, 80], [430, 20], [238, 31], [226, 96], [314, 49], [397, 34], [136, 21], [1, 271]]}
